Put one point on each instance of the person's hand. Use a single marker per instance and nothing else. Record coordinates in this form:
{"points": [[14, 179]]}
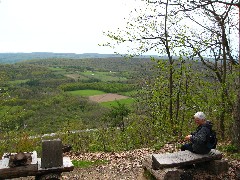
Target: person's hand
{"points": [[188, 137]]}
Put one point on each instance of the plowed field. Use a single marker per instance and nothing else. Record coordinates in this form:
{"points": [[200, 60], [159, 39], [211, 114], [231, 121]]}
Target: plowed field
{"points": [[107, 97]]}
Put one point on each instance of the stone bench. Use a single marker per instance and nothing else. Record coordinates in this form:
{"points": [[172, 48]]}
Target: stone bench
{"points": [[183, 164]]}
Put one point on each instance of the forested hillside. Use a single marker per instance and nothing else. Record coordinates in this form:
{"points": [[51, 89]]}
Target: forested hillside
{"points": [[9, 58], [35, 94], [52, 96]]}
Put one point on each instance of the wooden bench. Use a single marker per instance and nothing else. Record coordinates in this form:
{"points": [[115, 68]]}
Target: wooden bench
{"points": [[50, 166], [178, 165]]}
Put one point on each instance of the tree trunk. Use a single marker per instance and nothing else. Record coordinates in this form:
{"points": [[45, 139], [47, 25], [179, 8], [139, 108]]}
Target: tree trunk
{"points": [[170, 59], [223, 83], [236, 127], [236, 114]]}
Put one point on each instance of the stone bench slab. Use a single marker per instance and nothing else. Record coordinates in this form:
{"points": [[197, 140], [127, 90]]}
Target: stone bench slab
{"points": [[182, 158]]}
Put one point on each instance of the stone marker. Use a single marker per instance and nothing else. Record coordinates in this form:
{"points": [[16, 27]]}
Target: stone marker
{"points": [[52, 154]]}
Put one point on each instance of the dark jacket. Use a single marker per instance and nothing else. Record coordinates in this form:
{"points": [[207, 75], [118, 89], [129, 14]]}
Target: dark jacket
{"points": [[199, 138]]}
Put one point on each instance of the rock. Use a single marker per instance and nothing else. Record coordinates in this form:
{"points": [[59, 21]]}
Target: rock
{"points": [[20, 159]]}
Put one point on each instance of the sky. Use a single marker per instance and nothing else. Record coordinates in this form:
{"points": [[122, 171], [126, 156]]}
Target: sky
{"points": [[60, 26]]}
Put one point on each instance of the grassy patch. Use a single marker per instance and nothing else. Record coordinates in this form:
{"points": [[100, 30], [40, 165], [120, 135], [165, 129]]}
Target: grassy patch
{"points": [[56, 69], [9, 109], [127, 102], [86, 92], [235, 156], [230, 150], [18, 81], [104, 76], [86, 164]]}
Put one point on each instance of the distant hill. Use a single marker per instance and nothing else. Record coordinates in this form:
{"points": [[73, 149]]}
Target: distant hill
{"points": [[10, 58]]}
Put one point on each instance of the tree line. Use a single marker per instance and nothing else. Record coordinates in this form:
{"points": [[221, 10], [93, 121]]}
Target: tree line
{"points": [[102, 86]]}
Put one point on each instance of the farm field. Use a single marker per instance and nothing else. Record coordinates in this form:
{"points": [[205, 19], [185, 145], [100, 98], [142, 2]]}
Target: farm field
{"points": [[100, 75], [103, 76], [127, 102], [76, 76], [107, 97], [56, 69], [86, 92]]}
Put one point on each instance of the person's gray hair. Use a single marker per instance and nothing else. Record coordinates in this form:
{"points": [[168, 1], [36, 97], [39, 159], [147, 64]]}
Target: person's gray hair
{"points": [[200, 115]]}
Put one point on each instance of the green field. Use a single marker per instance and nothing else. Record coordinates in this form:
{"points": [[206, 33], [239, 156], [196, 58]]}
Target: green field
{"points": [[86, 92], [18, 81], [89, 92]]}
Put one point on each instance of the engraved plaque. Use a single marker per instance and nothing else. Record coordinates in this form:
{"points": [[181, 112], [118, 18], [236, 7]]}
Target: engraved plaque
{"points": [[51, 154]]}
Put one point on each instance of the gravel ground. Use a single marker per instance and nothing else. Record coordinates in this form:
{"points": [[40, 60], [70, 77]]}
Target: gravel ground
{"points": [[123, 165], [128, 165]]}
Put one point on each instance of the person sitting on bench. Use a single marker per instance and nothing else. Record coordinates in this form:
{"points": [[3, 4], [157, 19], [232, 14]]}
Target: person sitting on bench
{"points": [[199, 139]]}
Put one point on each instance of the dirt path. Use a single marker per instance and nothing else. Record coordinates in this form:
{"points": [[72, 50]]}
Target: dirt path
{"points": [[107, 97]]}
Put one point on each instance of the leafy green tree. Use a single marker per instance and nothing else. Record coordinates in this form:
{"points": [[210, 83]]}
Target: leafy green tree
{"points": [[153, 28], [217, 30], [214, 42], [117, 115], [212, 39]]}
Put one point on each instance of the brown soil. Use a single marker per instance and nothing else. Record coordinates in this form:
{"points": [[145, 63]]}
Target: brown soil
{"points": [[107, 97], [73, 76]]}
